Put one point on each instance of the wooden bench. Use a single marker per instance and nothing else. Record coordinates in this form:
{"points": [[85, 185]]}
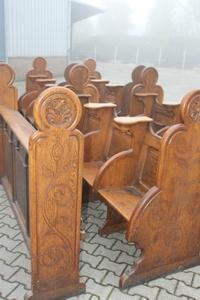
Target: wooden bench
{"points": [[153, 192], [41, 171], [39, 71]]}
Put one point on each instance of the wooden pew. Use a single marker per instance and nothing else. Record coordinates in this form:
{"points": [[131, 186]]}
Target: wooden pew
{"points": [[153, 191], [119, 94], [148, 97], [39, 71], [41, 171], [91, 64]]}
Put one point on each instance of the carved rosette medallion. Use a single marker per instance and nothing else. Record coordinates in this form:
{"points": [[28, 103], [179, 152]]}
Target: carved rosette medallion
{"points": [[60, 111], [194, 110]]}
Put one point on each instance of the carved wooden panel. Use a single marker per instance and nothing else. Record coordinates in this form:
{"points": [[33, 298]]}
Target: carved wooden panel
{"points": [[149, 171], [55, 170], [8, 178], [20, 172]]}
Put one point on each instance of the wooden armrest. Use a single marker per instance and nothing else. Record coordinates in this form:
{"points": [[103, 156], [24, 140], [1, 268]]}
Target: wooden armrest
{"points": [[18, 124], [37, 76], [132, 120], [100, 81], [114, 86], [143, 95], [116, 171], [99, 105]]}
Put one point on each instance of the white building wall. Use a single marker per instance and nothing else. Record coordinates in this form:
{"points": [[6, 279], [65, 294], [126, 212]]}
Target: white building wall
{"points": [[37, 27]]}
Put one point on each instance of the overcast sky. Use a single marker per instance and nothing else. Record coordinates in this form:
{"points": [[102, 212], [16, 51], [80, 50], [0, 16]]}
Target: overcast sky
{"points": [[141, 9]]}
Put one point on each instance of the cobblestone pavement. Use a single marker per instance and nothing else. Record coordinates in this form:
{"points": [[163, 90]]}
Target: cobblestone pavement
{"points": [[102, 260]]}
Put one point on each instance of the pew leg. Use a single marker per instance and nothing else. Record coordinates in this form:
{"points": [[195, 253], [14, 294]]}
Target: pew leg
{"points": [[88, 194], [114, 222]]}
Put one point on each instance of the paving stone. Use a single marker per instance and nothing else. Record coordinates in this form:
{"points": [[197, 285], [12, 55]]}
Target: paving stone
{"points": [[89, 236], [119, 295], [93, 212], [7, 271], [91, 259], [129, 249], [195, 269], [182, 276], [21, 277], [89, 248], [96, 205], [103, 241], [196, 281], [185, 290], [118, 236], [3, 205], [103, 251], [9, 231], [86, 296], [101, 291], [93, 273], [92, 228], [111, 279], [22, 261], [145, 291], [18, 293], [7, 256], [8, 211], [125, 258], [8, 243], [6, 287], [21, 248], [117, 268], [163, 295], [98, 222], [168, 284], [8, 220], [19, 237]]}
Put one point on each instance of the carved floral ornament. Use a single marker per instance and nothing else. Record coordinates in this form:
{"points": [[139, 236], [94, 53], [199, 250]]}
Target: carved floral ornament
{"points": [[194, 110], [57, 107], [60, 111]]}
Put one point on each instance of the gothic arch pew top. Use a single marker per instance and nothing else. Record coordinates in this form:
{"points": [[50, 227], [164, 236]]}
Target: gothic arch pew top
{"points": [[163, 114], [39, 71]]}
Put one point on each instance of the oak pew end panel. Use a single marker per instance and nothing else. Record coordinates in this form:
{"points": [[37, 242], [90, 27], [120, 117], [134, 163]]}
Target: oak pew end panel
{"points": [[55, 158], [163, 221], [51, 158]]}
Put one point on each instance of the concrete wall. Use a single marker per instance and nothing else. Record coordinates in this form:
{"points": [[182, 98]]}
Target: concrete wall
{"points": [[22, 65]]}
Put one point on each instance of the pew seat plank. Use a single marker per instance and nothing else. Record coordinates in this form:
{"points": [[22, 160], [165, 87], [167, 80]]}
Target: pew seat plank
{"points": [[122, 200]]}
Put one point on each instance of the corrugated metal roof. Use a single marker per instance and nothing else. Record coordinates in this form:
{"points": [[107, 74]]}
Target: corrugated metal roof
{"points": [[81, 11]]}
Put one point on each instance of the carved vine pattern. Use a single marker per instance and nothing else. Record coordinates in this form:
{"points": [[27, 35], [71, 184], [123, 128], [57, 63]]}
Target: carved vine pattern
{"points": [[58, 196]]}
